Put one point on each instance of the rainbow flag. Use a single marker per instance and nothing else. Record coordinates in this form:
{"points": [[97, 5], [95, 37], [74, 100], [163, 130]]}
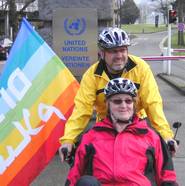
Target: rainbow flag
{"points": [[36, 99]]}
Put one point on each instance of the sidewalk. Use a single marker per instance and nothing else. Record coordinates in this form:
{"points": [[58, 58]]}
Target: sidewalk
{"points": [[175, 81], [173, 103], [177, 77]]}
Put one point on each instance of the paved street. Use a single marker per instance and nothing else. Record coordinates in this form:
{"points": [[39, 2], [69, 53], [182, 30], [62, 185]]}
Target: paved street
{"points": [[174, 101], [2, 63]]}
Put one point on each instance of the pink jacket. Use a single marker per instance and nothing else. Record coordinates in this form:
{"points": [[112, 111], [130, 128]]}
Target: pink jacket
{"points": [[135, 157]]}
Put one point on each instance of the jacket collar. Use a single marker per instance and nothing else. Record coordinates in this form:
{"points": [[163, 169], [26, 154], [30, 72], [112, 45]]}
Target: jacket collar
{"points": [[102, 67], [138, 127]]}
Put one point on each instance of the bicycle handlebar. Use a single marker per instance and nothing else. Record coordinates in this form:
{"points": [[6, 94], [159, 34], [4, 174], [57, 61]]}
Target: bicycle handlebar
{"points": [[68, 158]]}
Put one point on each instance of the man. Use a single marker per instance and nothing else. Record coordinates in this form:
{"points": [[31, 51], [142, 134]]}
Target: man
{"points": [[122, 149], [115, 62]]}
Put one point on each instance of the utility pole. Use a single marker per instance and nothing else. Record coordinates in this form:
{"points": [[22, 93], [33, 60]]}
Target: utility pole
{"points": [[120, 12], [13, 17], [180, 5], [7, 27], [169, 42]]}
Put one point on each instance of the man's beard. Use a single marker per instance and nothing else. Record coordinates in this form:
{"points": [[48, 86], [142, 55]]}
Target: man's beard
{"points": [[115, 70]]}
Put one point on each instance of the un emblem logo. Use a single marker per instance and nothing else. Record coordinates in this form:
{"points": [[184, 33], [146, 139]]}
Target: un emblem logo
{"points": [[75, 26]]}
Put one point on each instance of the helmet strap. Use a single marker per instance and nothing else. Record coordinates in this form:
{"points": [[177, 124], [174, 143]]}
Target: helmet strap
{"points": [[102, 54]]}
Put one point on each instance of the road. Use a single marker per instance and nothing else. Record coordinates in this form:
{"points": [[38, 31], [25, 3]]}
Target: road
{"points": [[173, 100], [144, 45]]}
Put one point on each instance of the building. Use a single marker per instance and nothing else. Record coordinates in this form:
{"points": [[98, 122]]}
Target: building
{"points": [[4, 13], [108, 13]]}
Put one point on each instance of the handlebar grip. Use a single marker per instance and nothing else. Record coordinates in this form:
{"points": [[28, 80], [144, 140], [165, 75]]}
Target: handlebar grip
{"points": [[171, 146], [178, 142], [65, 153], [69, 158]]}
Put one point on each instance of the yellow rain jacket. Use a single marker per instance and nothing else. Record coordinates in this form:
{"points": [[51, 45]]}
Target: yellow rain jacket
{"points": [[90, 96]]}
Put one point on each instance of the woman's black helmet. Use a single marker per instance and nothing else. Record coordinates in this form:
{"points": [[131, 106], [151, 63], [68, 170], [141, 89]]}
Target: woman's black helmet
{"points": [[120, 86]]}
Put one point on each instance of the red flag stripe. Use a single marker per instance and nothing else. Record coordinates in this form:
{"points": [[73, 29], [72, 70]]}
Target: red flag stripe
{"points": [[51, 144]]}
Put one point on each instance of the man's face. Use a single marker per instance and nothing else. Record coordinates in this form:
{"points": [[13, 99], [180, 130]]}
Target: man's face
{"points": [[116, 58]]}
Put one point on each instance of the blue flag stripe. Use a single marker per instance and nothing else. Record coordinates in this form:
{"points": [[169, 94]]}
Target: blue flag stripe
{"points": [[42, 57], [30, 71], [24, 40]]}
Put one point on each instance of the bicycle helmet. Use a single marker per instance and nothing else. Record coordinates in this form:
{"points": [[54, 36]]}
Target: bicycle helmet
{"points": [[113, 37], [120, 86]]}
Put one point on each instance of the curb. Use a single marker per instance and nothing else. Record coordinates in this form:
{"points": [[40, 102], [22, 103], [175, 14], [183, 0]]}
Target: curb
{"points": [[174, 81]]}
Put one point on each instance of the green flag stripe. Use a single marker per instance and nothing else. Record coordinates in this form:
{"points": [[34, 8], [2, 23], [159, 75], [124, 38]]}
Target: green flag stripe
{"points": [[40, 83]]}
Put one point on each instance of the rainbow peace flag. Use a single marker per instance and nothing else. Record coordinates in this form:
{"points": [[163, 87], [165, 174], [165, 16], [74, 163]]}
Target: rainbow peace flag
{"points": [[36, 99]]}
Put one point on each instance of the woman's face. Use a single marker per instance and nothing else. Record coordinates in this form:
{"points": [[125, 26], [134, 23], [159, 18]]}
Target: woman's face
{"points": [[121, 106]]}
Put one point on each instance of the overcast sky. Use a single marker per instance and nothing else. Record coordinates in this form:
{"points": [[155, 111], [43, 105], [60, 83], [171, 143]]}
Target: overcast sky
{"points": [[139, 1]]}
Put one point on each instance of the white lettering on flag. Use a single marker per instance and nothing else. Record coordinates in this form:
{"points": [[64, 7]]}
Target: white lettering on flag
{"points": [[46, 111], [19, 94]]}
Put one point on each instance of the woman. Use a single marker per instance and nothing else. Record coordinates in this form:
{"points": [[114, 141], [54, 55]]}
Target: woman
{"points": [[122, 149]]}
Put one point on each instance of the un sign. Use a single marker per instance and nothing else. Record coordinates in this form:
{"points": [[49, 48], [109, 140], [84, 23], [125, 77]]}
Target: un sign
{"points": [[75, 26]]}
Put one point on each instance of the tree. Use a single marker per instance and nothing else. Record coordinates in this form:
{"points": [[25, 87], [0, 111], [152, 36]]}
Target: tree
{"points": [[129, 12], [14, 15], [180, 11], [160, 6], [179, 6]]}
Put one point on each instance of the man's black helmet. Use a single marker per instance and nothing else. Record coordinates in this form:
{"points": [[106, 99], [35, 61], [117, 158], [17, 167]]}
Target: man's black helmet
{"points": [[113, 37]]}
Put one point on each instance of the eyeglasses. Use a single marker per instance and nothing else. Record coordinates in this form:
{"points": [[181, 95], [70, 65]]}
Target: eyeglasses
{"points": [[114, 51], [120, 101]]}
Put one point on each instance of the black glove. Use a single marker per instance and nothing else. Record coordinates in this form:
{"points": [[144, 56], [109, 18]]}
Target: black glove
{"points": [[172, 146], [68, 158]]}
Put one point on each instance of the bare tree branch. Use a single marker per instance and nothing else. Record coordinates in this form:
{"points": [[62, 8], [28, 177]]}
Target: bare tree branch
{"points": [[4, 4], [27, 3]]}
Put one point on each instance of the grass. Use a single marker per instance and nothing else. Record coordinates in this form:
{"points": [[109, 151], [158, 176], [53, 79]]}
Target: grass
{"points": [[150, 28], [143, 28], [174, 44]]}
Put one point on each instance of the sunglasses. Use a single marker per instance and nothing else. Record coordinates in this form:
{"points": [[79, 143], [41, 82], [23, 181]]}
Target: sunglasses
{"points": [[120, 101]]}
